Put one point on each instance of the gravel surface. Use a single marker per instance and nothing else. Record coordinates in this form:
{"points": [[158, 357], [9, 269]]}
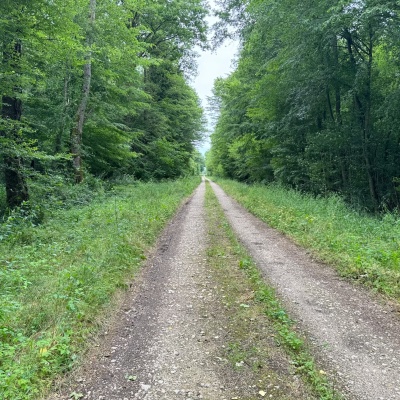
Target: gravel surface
{"points": [[354, 334], [162, 342], [165, 342]]}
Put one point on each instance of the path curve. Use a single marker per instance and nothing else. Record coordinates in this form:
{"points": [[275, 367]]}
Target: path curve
{"points": [[351, 332]]}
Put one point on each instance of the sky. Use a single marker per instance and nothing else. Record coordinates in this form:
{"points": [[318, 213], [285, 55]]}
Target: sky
{"points": [[212, 65]]}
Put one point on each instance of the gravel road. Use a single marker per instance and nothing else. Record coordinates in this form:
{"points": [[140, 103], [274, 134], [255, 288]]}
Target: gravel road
{"points": [[163, 342], [354, 334]]}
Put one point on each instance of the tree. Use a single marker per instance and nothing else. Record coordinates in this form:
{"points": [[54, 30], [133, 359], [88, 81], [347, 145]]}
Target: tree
{"points": [[11, 112], [317, 97], [86, 73], [169, 127], [77, 131], [172, 121], [27, 30]]}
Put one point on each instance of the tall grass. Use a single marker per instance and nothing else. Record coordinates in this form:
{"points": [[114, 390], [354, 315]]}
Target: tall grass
{"points": [[362, 247], [58, 277]]}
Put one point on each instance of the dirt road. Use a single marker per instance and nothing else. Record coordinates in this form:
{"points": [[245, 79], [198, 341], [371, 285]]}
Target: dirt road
{"points": [[165, 341], [352, 333], [153, 351]]}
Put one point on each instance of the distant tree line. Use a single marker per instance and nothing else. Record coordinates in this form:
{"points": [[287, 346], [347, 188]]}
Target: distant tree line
{"points": [[97, 87], [314, 102]]}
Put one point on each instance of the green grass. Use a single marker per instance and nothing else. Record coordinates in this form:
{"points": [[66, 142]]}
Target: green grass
{"points": [[248, 299], [362, 247], [56, 279]]}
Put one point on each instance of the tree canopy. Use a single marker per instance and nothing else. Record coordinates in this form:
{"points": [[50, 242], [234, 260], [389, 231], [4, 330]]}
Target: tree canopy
{"points": [[314, 100], [98, 87]]}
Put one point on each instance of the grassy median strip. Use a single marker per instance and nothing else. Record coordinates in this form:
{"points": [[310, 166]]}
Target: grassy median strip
{"points": [[263, 338], [57, 278], [362, 247]]}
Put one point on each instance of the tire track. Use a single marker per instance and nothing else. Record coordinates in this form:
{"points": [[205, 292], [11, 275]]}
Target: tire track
{"points": [[352, 333], [155, 347]]}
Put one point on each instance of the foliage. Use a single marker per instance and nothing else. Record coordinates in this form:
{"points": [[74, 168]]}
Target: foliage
{"points": [[198, 163], [76, 86], [168, 128], [57, 278], [362, 247], [312, 101]]}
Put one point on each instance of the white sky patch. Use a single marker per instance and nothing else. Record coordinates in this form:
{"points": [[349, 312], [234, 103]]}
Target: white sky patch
{"points": [[212, 65]]}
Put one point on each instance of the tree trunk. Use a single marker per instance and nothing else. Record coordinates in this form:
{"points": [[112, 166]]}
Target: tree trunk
{"points": [[16, 186], [363, 108], [77, 131], [367, 128], [338, 101], [58, 142]]}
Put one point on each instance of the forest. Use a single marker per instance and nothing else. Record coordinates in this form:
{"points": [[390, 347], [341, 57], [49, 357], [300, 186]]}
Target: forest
{"points": [[94, 90], [99, 126], [313, 102]]}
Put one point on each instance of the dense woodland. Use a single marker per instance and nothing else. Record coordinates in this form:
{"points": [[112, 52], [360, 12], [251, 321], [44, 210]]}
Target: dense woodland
{"points": [[97, 88], [95, 100], [100, 88], [314, 102]]}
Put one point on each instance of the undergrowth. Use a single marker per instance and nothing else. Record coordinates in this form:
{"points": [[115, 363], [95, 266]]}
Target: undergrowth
{"points": [[58, 276], [364, 248], [51, 192], [260, 297]]}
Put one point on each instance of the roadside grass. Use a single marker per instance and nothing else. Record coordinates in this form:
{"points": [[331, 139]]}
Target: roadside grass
{"points": [[58, 278], [52, 192], [263, 339], [362, 247]]}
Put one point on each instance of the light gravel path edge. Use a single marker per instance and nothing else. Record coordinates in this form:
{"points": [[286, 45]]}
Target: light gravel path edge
{"points": [[355, 336]]}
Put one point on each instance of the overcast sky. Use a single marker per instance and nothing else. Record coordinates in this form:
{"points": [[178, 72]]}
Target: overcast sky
{"points": [[212, 65]]}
